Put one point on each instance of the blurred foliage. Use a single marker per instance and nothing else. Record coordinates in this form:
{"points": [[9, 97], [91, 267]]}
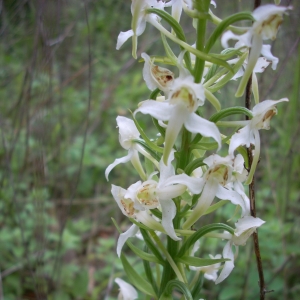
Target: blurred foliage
{"points": [[62, 86]]}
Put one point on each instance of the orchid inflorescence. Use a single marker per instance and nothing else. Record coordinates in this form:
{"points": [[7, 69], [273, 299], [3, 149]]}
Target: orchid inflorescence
{"points": [[191, 168]]}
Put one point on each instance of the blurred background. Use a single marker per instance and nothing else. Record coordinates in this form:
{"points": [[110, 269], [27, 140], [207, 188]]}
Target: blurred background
{"points": [[62, 85]]}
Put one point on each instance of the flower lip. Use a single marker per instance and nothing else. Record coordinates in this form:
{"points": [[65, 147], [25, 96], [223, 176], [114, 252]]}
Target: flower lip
{"points": [[147, 195], [185, 97]]}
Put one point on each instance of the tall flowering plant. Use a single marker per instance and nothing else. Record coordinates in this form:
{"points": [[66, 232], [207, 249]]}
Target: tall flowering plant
{"points": [[192, 168]]}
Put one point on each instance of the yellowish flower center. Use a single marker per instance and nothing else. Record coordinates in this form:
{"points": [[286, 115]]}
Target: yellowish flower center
{"points": [[147, 194], [185, 97], [269, 27], [128, 207], [220, 173]]}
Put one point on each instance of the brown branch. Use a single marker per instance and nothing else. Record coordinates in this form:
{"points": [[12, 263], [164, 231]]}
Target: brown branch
{"points": [[252, 193]]}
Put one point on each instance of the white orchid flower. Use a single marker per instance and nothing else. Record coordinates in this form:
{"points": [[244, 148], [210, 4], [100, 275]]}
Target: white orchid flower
{"points": [[244, 229], [262, 114], [267, 21], [152, 194], [127, 134], [155, 76], [127, 291], [139, 19], [184, 97], [213, 184]]}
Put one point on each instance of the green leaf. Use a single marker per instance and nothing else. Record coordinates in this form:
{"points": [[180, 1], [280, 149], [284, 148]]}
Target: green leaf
{"points": [[177, 29], [176, 284], [196, 163], [198, 286], [215, 206], [152, 247], [236, 110], [148, 149], [211, 72], [169, 52], [139, 282], [201, 232], [143, 255], [144, 136], [149, 273], [199, 262], [154, 94], [181, 41], [223, 26], [215, 87]]}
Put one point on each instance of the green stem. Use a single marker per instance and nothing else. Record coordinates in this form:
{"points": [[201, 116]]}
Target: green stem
{"points": [[185, 149], [201, 30], [168, 255]]}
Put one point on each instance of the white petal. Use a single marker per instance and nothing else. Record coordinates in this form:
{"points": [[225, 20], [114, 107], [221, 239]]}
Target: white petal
{"points": [[246, 223], [127, 131], [261, 65], [127, 291], [243, 40], [125, 236], [244, 228], [263, 12], [234, 197], [239, 188], [166, 171], [150, 82], [126, 205], [168, 208], [242, 137], [123, 37], [196, 124], [239, 164], [118, 161], [229, 265], [155, 76], [176, 9], [131, 191], [195, 185], [264, 106], [158, 110], [266, 52], [212, 2], [170, 191]]}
